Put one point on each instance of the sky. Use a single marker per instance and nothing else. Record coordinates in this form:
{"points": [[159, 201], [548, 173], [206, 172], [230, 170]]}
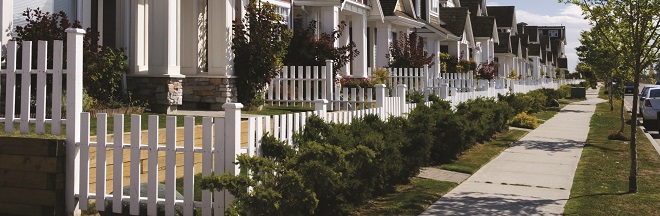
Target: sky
{"points": [[550, 13]]}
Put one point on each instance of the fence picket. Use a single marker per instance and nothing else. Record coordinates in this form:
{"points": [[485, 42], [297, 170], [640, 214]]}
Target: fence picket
{"points": [[56, 100], [10, 97], [189, 165], [207, 162], [252, 133], [40, 127], [118, 163], [26, 87], [219, 165], [170, 161], [136, 138], [152, 186], [84, 161], [101, 143]]}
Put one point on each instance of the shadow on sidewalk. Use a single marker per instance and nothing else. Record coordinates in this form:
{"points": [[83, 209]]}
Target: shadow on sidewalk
{"points": [[475, 203], [551, 146]]}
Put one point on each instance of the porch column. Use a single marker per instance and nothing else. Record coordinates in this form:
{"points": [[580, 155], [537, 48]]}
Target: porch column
{"points": [[330, 20], [454, 49], [383, 41], [432, 47], [360, 39], [6, 19], [344, 40], [164, 41], [139, 39], [192, 19], [371, 47], [84, 13], [220, 57]]}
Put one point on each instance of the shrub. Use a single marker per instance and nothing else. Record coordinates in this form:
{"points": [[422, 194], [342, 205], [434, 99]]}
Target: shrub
{"points": [[415, 97], [488, 70], [519, 102], [380, 75], [259, 45], [448, 63], [618, 136], [466, 65], [307, 48], [409, 52], [485, 117], [103, 66], [348, 82], [524, 120]]}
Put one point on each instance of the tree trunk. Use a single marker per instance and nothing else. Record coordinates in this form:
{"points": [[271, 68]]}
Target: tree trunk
{"points": [[632, 179], [623, 117], [610, 93]]}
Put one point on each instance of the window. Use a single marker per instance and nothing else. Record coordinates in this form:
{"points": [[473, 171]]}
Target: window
{"points": [[284, 12], [553, 33], [434, 6]]}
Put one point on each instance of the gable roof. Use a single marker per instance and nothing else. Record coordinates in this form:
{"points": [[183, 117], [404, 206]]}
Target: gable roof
{"points": [[505, 15], [533, 32], [389, 8], [455, 19], [534, 49], [545, 42], [472, 5], [483, 26], [504, 46], [563, 63]]}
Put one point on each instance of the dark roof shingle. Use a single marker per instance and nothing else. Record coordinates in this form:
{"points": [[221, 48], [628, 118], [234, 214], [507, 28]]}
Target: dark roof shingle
{"points": [[454, 19], [503, 14], [482, 26], [504, 45]]}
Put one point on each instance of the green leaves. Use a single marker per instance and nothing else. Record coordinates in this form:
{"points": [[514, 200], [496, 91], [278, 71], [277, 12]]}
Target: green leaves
{"points": [[259, 45], [409, 52]]}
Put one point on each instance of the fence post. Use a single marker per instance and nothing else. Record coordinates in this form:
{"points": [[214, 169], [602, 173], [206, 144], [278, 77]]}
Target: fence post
{"points": [[444, 91], [74, 109], [232, 141], [401, 93], [380, 95], [330, 82], [321, 106], [425, 82]]}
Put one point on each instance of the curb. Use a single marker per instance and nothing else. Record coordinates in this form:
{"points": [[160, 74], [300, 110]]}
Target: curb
{"points": [[646, 133]]}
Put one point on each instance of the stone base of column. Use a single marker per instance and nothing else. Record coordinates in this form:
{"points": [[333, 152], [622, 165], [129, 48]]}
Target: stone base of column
{"points": [[164, 94], [208, 93]]}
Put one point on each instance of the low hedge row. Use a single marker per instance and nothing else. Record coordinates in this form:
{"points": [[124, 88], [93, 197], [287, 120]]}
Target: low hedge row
{"points": [[332, 168]]}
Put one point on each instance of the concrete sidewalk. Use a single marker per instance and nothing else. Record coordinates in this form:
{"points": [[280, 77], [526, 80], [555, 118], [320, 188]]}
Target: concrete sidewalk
{"points": [[534, 177]]}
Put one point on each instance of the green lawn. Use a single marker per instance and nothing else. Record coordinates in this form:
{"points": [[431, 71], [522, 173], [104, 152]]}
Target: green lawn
{"points": [[601, 180], [279, 110], [409, 199], [479, 155]]}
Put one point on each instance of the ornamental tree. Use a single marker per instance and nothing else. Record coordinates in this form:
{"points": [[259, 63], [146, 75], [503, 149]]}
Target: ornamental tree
{"points": [[409, 52], [260, 43], [635, 25]]}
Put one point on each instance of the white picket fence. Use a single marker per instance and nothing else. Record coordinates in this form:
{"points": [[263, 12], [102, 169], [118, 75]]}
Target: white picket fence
{"points": [[57, 71], [217, 141]]}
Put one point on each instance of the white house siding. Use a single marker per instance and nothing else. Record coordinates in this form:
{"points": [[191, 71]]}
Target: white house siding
{"points": [[68, 6]]}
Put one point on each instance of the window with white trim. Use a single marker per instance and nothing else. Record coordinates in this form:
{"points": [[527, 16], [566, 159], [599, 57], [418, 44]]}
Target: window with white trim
{"points": [[434, 6]]}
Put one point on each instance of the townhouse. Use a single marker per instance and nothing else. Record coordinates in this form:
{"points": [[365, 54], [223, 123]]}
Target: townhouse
{"points": [[180, 50]]}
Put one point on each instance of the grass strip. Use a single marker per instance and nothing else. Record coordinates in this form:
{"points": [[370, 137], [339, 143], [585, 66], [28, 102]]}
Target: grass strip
{"points": [[409, 199], [479, 155], [601, 181]]}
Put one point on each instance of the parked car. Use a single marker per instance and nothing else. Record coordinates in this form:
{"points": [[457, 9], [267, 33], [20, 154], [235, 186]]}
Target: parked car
{"points": [[643, 95], [651, 108], [629, 88]]}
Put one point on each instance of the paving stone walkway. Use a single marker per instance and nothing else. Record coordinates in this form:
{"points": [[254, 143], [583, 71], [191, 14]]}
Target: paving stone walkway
{"points": [[534, 177]]}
